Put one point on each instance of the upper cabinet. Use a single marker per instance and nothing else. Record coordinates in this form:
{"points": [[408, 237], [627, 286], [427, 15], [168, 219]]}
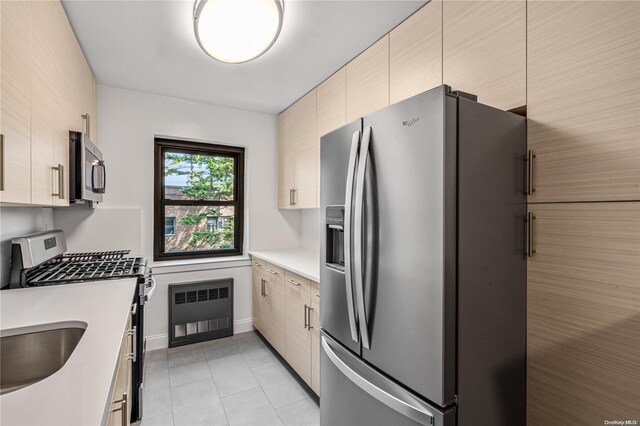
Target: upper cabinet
{"points": [[15, 118], [484, 50], [584, 100], [331, 111], [368, 80], [297, 155], [306, 152], [47, 87], [415, 53]]}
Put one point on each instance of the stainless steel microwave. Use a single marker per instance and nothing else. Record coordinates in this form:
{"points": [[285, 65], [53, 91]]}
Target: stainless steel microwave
{"points": [[87, 171]]}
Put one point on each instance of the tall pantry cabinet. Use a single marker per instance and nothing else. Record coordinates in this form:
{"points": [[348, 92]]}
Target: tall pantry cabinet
{"points": [[47, 88]]}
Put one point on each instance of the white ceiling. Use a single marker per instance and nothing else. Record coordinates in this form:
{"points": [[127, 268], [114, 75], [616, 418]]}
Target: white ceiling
{"points": [[150, 46]]}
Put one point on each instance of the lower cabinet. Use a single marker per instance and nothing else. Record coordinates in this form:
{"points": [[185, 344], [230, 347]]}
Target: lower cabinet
{"points": [[286, 310], [120, 407]]}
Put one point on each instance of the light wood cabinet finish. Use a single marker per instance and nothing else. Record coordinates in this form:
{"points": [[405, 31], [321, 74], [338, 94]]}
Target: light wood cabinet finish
{"points": [[331, 110], [123, 383], [315, 337], [288, 316], [368, 80], [583, 323], [298, 337], [286, 158], [306, 152], [257, 299], [273, 315], [47, 86], [584, 100], [15, 113], [484, 50], [415, 53]]}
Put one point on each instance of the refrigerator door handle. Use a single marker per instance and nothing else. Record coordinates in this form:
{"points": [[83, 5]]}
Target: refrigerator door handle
{"points": [[358, 231], [380, 388], [348, 241]]}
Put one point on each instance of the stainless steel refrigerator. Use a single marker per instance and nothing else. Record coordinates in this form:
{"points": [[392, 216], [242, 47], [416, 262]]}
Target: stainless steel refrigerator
{"points": [[423, 276]]}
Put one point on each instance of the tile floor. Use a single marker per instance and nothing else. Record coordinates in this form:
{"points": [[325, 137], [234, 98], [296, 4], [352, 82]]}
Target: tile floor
{"points": [[238, 380]]}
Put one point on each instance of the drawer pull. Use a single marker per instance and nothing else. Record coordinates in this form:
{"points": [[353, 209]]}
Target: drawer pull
{"points": [[272, 272], [257, 265], [295, 283]]}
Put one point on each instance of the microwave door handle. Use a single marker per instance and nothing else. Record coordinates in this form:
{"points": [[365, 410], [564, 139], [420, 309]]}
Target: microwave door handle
{"points": [[358, 237], [102, 181], [348, 234]]}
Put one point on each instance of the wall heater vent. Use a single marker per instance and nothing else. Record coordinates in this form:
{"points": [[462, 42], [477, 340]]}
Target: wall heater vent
{"points": [[200, 311]]}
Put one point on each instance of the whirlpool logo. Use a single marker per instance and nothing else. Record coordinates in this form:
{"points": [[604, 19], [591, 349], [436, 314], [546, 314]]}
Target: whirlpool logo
{"points": [[411, 121]]}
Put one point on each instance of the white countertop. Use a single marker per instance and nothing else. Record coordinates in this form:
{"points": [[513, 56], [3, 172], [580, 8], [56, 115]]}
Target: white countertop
{"points": [[302, 261], [78, 393]]}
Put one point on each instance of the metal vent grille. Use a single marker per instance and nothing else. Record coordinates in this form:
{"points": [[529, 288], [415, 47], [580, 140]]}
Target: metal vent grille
{"points": [[200, 311]]}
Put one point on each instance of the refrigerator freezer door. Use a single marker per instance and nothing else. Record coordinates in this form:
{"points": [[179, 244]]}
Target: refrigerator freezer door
{"points": [[355, 394], [408, 234], [337, 316]]}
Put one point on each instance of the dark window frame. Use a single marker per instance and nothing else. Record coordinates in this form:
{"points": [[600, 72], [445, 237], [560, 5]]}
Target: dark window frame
{"points": [[161, 145]]}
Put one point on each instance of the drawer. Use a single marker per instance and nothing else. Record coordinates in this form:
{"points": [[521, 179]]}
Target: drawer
{"points": [[315, 292], [274, 271], [258, 264], [303, 284]]}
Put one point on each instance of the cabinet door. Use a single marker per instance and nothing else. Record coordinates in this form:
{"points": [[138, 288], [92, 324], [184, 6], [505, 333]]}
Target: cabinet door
{"points": [[584, 100], [43, 111], [298, 339], [484, 50], [122, 388], [315, 338], [15, 119], [286, 159], [306, 151], [331, 111], [368, 80], [583, 302], [415, 53], [257, 302], [274, 306]]}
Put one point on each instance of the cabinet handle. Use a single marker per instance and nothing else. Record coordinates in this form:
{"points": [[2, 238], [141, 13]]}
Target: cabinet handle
{"points": [[261, 287], [529, 172], [290, 196], [60, 193], [306, 324], [309, 326], [257, 265], [529, 247], [272, 272], [87, 123], [1, 162], [123, 408], [134, 339], [295, 196], [295, 283]]}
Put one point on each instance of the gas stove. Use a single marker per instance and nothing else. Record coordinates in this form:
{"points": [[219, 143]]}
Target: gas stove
{"points": [[40, 260]]}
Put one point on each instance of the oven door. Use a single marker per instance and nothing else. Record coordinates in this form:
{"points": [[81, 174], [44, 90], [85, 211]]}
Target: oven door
{"points": [[94, 172]]}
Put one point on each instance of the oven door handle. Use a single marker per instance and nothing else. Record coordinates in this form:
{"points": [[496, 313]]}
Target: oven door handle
{"points": [[149, 294]]}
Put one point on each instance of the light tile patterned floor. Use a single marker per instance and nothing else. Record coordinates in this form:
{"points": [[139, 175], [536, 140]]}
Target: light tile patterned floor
{"points": [[233, 381]]}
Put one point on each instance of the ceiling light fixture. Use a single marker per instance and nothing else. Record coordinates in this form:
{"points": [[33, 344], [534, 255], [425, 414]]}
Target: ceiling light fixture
{"points": [[236, 31]]}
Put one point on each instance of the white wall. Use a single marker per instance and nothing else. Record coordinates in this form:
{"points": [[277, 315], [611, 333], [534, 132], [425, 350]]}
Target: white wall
{"points": [[16, 222], [310, 228], [128, 121]]}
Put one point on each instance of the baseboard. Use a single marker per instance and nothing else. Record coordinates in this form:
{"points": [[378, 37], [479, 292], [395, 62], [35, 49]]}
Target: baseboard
{"points": [[161, 341]]}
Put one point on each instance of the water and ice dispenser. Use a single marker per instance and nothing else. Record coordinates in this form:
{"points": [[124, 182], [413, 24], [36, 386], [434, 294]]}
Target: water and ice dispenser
{"points": [[334, 234]]}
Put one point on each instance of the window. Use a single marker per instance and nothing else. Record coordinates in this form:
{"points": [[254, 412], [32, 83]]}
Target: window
{"points": [[169, 225], [199, 193]]}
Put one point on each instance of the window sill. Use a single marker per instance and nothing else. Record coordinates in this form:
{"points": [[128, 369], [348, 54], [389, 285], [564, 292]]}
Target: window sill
{"points": [[189, 265]]}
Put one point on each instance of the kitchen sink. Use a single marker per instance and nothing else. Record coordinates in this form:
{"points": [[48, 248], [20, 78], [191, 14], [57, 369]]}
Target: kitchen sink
{"points": [[32, 354]]}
